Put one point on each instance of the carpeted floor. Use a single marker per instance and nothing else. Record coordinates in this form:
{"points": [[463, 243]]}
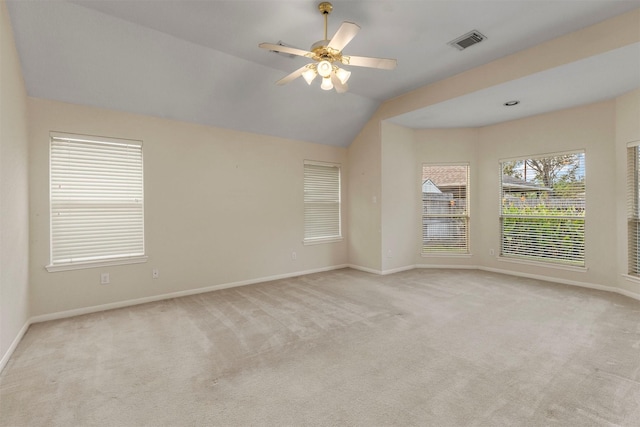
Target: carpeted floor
{"points": [[423, 347]]}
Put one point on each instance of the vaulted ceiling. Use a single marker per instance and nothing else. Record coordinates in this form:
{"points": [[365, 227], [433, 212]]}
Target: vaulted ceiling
{"points": [[199, 61]]}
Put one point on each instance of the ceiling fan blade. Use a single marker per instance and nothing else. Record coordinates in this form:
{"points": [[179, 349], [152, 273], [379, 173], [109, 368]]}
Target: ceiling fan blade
{"points": [[343, 36], [297, 73], [340, 87], [363, 61], [286, 49]]}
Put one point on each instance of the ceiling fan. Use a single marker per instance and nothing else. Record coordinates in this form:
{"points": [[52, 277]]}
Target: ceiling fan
{"points": [[327, 53]]}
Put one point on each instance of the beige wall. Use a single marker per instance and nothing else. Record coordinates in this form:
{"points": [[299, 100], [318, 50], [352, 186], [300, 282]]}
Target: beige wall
{"points": [[602, 130], [628, 117], [627, 130], [364, 238], [451, 146], [400, 199], [597, 128], [14, 207], [221, 207], [590, 128]]}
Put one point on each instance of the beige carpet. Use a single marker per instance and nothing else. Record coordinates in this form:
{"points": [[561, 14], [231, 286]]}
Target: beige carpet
{"points": [[424, 347]]}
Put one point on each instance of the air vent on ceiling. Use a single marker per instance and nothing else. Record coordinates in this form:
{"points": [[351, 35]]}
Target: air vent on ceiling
{"points": [[469, 39]]}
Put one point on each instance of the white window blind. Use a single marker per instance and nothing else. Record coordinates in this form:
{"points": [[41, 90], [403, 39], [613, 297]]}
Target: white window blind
{"points": [[321, 201], [96, 197], [445, 209], [633, 208], [542, 211]]}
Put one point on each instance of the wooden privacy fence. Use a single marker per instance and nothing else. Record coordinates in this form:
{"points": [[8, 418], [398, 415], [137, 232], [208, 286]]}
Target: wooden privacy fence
{"points": [[444, 220]]}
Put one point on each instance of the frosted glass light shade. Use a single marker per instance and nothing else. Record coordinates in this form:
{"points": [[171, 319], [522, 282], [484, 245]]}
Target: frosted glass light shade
{"points": [[326, 83], [343, 75], [324, 68], [309, 75]]}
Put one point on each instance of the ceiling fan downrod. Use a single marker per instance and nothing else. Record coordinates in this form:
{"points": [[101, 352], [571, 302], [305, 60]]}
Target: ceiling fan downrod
{"points": [[325, 7]]}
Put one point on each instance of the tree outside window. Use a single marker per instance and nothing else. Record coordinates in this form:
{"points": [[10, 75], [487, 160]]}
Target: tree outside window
{"points": [[543, 208]]}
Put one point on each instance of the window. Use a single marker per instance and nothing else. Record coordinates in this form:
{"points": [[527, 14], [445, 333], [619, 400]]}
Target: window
{"points": [[445, 209], [633, 202], [96, 199], [321, 202], [542, 212]]}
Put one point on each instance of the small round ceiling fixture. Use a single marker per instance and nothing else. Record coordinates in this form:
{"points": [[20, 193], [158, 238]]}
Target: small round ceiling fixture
{"points": [[511, 103]]}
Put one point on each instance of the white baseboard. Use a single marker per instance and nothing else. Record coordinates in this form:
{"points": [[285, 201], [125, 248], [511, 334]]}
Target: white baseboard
{"points": [[365, 269], [128, 303], [620, 291], [398, 269], [565, 282], [627, 293], [410, 267], [381, 272], [449, 267], [7, 355]]}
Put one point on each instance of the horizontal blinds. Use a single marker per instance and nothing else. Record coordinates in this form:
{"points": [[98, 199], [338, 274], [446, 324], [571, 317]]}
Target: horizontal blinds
{"points": [[445, 209], [633, 216], [96, 200], [543, 208], [544, 239], [321, 201]]}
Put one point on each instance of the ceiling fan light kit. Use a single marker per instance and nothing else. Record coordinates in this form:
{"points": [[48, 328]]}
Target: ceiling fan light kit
{"points": [[324, 68], [309, 75], [326, 83], [343, 75], [326, 53]]}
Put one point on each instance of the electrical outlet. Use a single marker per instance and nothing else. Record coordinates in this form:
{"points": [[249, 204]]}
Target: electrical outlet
{"points": [[155, 273], [294, 256], [389, 253], [492, 252], [104, 279]]}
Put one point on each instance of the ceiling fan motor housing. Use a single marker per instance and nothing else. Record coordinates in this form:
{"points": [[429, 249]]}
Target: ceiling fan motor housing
{"points": [[324, 53]]}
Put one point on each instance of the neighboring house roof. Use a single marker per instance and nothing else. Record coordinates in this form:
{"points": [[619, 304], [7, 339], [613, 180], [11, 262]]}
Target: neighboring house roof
{"points": [[435, 178], [429, 187], [445, 176], [511, 183]]}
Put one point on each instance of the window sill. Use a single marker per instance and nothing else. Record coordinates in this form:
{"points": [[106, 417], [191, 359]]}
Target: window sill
{"points": [[94, 264], [321, 241], [543, 264], [630, 278]]}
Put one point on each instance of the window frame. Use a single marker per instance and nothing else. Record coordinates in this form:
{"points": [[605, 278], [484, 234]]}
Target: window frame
{"points": [[466, 216], [633, 209], [96, 260], [327, 238], [547, 261]]}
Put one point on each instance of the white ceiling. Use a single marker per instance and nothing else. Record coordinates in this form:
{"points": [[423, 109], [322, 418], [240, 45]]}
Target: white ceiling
{"points": [[592, 79], [198, 60]]}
